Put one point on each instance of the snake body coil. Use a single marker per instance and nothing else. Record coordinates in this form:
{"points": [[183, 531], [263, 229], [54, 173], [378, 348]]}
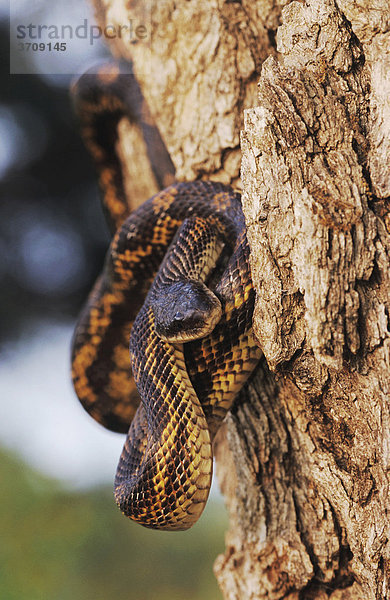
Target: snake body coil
{"points": [[177, 284]]}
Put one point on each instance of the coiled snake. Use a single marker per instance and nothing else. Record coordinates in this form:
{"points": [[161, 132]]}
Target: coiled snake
{"points": [[176, 285]]}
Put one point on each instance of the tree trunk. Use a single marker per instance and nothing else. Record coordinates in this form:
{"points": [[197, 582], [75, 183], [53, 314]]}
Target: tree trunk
{"points": [[304, 457]]}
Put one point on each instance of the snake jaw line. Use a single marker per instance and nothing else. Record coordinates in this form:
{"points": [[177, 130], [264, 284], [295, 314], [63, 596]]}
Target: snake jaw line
{"points": [[195, 331]]}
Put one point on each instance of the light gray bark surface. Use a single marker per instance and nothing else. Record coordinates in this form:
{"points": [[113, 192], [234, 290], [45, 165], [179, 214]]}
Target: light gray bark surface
{"points": [[198, 73], [304, 457]]}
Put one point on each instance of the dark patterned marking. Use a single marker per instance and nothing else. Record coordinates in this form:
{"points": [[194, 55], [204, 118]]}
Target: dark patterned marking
{"points": [[164, 473]]}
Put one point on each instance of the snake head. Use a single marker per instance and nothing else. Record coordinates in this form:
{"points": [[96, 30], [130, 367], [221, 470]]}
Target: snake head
{"points": [[185, 311]]}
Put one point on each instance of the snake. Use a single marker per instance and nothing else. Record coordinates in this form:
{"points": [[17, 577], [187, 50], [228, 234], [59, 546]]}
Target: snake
{"points": [[164, 343]]}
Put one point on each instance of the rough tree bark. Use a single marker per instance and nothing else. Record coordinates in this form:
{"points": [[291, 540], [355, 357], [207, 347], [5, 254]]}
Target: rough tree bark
{"points": [[304, 457]]}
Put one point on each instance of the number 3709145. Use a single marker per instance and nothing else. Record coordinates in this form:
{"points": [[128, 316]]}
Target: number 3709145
{"points": [[42, 46]]}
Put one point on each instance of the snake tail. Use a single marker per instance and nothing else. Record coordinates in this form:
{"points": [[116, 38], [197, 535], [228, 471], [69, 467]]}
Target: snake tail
{"points": [[101, 100]]}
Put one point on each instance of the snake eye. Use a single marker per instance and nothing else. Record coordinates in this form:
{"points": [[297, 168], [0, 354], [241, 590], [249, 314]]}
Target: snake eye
{"points": [[179, 316]]}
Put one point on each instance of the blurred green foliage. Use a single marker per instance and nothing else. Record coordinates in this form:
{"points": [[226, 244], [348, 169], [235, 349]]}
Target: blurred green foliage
{"points": [[58, 545]]}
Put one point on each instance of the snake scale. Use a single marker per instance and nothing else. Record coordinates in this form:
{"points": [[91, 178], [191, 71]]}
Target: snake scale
{"points": [[164, 343]]}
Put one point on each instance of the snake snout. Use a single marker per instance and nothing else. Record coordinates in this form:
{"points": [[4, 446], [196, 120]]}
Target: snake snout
{"points": [[185, 311]]}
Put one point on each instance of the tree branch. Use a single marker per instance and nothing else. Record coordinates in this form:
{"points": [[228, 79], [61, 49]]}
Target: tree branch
{"points": [[304, 456]]}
